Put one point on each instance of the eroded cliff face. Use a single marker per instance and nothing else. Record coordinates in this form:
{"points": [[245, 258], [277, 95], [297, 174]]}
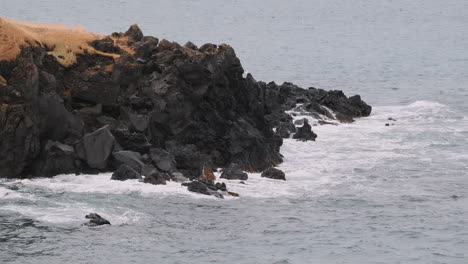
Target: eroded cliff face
{"points": [[128, 94]]}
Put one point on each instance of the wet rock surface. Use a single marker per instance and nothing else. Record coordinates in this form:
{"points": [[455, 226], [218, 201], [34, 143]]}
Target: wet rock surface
{"points": [[208, 187], [161, 109], [305, 132], [96, 220], [274, 173], [125, 172], [234, 172]]}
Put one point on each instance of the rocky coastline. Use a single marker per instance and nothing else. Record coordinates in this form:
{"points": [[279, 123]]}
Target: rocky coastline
{"points": [[149, 109]]}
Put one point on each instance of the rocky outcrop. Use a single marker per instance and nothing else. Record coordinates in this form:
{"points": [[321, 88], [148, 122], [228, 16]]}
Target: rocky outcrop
{"points": [[318, 103], [305, 132], [274, 173], [234, 172], [164, 110]]}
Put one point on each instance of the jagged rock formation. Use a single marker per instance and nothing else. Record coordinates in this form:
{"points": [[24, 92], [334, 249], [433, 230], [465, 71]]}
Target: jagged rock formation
{"points": [[163, 110]]}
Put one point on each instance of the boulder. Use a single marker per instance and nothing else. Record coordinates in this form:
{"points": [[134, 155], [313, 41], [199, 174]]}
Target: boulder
{"points": [[234, 172], [96, 148], [148, 169], [163, 160], [178, 177], [205, 187], [125, 172], [134, 141], [134, 33], [188, 159], [130, 158], [274, 173], [156, 178], [96, 220], [305, 132], [58, 159]]}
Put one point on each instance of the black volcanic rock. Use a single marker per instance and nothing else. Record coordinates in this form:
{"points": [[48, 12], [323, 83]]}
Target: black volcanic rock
{"points": [[156, 178], [134, 33], [129, 158], [96, 148], [234, 172], [125, 172], [274, 173], [163, 160], [305, 132], [96, 220], [140, 94], [206, 187], [57, 158]]}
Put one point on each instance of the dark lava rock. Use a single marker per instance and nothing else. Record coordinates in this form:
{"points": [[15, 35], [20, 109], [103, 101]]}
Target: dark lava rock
{"points": [[148, 169], [134, 141], [198, 187], [156, 178], [96, 148], [206, 187], [190, 45], [134, 33], [178, 177], [96, 220], [163, 160], [125, 172], [305, 132], [146, 47], [194, 103], [106, 45], [188, 160], [234, 172], [58, 158], [130, 158], [274, 173]]}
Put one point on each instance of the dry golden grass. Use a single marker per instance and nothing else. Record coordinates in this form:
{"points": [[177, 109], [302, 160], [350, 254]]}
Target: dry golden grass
{"points": [[61, 41]]}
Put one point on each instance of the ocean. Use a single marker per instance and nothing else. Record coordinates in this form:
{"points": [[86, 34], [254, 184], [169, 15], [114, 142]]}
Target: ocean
{"points": [[362, 193]]}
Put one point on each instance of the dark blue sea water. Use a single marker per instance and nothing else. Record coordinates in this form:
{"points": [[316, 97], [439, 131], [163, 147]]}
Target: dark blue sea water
{"points": [[362, 193]]}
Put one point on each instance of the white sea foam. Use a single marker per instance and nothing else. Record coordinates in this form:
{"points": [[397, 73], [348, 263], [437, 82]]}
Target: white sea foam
{"points": [[315, 168]]}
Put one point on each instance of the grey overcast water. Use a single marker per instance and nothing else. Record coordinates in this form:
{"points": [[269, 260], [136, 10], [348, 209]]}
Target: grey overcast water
{"points": [[362, 193]]}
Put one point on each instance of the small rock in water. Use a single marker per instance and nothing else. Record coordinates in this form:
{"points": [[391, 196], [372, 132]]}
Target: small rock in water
{"points": [[387, 124], [455, 196], [96, 220], [305, 132], [392, 119], [274, 173]]}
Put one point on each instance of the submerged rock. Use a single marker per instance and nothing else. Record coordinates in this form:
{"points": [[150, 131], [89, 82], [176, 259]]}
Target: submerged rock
{"points": [[96, 220], [274, 173], [207, 187]]}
